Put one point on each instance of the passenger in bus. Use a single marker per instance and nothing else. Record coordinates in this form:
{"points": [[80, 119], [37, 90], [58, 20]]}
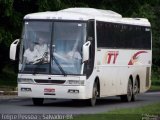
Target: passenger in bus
{"points": [[74, 55], [30, 54], [74, 52]]}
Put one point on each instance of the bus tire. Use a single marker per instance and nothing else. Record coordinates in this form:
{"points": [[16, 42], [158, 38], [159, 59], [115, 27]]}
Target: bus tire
{"points": [[135, 90], [128, 96], [92, 101], [37, 101]]}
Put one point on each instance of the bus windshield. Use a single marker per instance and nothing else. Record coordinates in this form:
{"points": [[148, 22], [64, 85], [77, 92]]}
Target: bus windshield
{"points": [[52, 47]]}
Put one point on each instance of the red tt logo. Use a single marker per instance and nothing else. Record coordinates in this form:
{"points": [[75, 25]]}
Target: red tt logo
{"points": [[111, 57]]}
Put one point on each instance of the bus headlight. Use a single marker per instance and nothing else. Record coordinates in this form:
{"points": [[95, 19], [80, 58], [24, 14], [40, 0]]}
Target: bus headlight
{"points": [[75, 82], [25, 80]]}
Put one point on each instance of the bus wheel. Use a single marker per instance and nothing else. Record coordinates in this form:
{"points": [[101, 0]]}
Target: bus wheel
{"points": [[94, 95], [92, 101], [135, 90], [37, 101], [128, 96]]}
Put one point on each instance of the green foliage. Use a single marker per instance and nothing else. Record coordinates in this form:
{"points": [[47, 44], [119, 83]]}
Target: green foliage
{"points": [[5, 37], [6, 7], [49, 5]]}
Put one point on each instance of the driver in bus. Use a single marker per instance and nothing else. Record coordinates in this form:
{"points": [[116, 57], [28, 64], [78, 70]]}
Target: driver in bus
{"points": [[43, 50], [31, 53]]}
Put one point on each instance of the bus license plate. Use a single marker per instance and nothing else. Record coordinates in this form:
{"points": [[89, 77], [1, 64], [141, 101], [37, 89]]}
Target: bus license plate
{"points": [[49, 91]]}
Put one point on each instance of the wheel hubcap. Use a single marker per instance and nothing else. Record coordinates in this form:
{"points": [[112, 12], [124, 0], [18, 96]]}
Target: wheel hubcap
{"points": [[136, 88]]}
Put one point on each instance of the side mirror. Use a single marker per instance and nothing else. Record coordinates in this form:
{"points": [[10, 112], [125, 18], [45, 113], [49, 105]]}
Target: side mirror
{"points": [[13, 49], [86, 51]]}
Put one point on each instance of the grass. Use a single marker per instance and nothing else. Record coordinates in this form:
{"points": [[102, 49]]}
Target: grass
{"points": [[138, 113], [155, 88]]}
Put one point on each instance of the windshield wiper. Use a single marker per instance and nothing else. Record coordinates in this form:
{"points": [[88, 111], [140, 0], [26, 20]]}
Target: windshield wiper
{"points": [[59, 66]]}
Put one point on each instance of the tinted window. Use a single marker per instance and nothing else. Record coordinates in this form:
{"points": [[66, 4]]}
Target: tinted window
{"points": [[113, 35]]}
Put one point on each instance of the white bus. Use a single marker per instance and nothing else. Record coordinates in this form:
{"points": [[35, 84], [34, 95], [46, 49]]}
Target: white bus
{"points": [[83, 53]]}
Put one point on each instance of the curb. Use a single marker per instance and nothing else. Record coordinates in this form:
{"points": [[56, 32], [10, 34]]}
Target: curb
{"points": [[8, 92]]}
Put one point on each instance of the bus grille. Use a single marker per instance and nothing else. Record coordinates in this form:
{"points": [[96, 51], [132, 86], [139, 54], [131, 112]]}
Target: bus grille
{"points": [[50, 81]]}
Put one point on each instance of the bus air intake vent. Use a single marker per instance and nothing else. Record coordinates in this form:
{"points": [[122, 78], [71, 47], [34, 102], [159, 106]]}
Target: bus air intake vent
{"points": [[50, 81]]}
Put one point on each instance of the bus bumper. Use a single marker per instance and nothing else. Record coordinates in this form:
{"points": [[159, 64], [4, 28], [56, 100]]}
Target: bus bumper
{"points": [[52, 91]]}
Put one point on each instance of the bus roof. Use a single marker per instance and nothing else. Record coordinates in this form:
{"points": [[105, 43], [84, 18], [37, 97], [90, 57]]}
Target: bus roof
{"points": [[86, 14]]}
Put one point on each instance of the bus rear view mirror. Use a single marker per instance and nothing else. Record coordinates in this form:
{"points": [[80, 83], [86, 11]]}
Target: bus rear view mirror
{"points": [[13, 49], [86, 51]]}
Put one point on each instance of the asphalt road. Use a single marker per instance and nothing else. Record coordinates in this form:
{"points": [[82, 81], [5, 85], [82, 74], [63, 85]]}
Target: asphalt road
{"points": [[25, 106]]}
